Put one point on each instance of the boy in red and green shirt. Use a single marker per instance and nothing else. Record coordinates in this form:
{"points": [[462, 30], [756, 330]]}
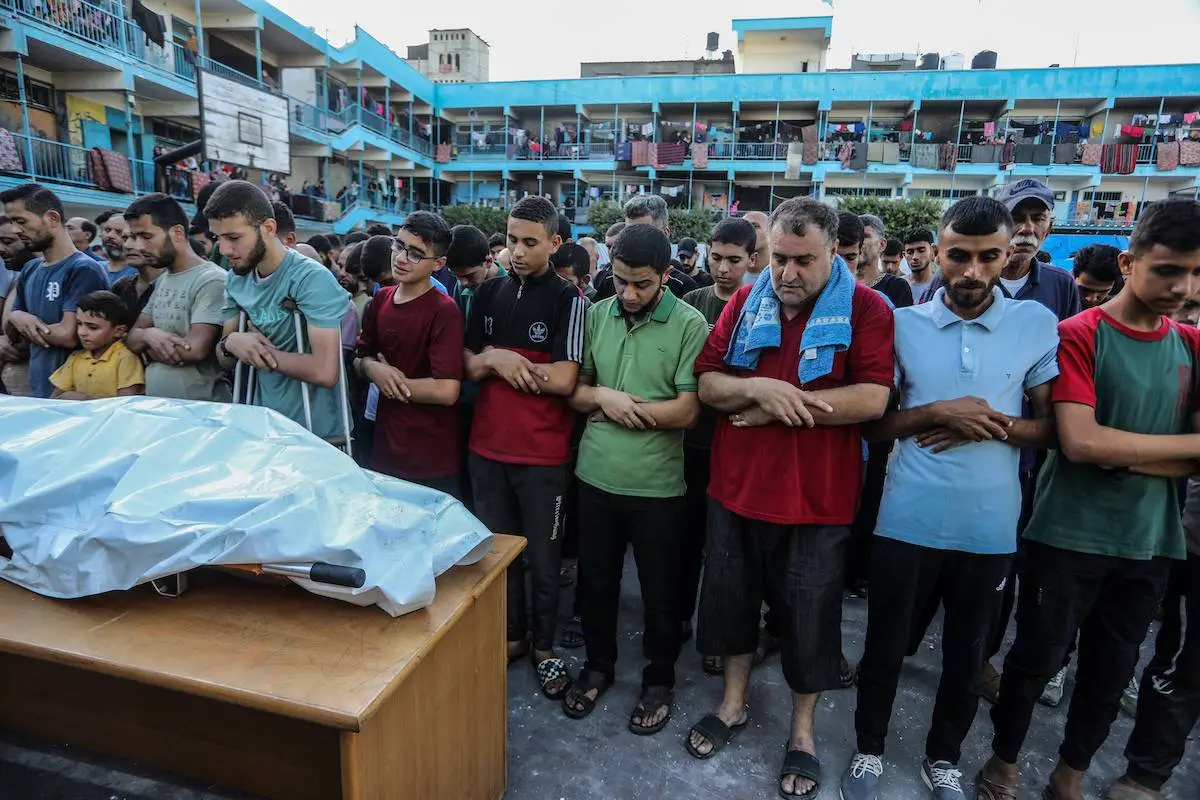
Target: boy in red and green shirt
{"points": [[1106, 525]]}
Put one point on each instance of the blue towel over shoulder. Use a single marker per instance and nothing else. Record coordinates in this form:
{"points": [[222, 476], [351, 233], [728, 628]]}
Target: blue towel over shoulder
{"points": [[827, 332]]}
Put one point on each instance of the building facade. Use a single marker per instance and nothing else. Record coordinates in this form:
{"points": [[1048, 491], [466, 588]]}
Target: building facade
{"points": [[1106, 139], [456, 55]]}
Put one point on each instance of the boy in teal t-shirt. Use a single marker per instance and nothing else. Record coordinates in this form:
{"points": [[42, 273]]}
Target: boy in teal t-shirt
{"points": [[1106, 526], [270, 283]]}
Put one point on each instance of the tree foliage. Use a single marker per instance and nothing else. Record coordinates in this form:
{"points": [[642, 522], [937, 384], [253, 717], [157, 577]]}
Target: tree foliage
{"points": [[899, 215], [694, 223], [488, 220]]}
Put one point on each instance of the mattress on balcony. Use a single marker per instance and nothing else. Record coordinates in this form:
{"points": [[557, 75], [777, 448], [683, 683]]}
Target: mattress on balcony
{"points": [[10, 156], [110, 171]]}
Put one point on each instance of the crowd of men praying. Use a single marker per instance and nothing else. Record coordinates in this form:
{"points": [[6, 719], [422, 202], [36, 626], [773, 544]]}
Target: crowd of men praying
{"points": [[804, 404]]}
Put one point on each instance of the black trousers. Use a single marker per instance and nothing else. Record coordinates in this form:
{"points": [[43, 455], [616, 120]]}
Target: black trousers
{"points": [[799, 570], [697, 471], [863, 530], [903, 576], [1169, 698], [924, 615], [1109, 602], [527, 500], [653, 527]]}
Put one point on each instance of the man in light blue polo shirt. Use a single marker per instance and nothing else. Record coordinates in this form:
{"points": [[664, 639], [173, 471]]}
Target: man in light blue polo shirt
{"points": [[948, 521]]}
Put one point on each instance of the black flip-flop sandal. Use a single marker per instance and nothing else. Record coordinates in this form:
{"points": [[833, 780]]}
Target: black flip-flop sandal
{"points": [[715, 731], [549, 670], [572, 635], [652, 699], [712, 665], [802, 765], [577, 696]]}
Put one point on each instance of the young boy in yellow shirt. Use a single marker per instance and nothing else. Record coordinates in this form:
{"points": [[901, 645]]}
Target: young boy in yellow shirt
{"points": [[104, 367]]}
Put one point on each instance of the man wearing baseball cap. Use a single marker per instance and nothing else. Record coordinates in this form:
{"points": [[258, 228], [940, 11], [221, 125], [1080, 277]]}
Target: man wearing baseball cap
{"points": [[689, 256], [1031, 203]]}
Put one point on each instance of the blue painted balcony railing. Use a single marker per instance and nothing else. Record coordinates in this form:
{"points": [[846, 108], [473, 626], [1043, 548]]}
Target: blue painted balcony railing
{"points": [[357, 115], [98, 23]]}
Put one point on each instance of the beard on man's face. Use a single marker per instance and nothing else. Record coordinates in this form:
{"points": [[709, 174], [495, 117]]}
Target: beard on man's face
{"points": [[968, 294], [257, 254]]}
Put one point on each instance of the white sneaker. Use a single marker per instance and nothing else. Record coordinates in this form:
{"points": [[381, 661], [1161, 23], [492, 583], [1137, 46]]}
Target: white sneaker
{"points": [[1129, 698], [1053, 693]]}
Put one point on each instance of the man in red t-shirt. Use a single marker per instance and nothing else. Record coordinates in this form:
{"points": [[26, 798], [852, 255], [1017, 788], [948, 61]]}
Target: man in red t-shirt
{"points": [[787, 472], [411, 348]]}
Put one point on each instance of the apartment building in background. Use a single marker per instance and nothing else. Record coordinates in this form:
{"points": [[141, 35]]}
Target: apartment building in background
{"points": [[408, 133]]}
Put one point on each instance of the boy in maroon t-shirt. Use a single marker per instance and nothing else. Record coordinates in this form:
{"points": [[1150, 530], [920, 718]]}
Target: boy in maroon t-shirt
{"points": [[411, 348], [787, 472]]}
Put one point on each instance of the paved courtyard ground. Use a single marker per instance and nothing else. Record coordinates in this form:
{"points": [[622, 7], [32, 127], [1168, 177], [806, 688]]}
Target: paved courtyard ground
{"points": [[555, 758]]}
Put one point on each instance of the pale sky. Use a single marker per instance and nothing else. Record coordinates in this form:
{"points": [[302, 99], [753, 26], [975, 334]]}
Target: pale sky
{"points": [[548, 38]]}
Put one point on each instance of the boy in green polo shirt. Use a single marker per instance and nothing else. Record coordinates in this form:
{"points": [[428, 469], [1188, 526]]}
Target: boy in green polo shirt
{"points": [[1105, 525], [639, 390]]}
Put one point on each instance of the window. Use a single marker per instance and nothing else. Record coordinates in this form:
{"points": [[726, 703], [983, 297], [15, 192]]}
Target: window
{"points": [[804, 67], [456, 69], [1102, 197], [945, 194], [36, 93]]}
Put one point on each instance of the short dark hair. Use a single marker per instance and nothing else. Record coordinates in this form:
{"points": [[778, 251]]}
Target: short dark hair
{"points": [[614, 229], [432, 229], [735, 230], [377, 257], [106, 305], [572, 256], [378, 229], [643, 246], [163, 210], [356, 236], [917, 235], [497, 240], [88, 226], [106, 215], [977, 216], [352, 258], [239, 197], [320, 243], [894, 247], [564, 227], [36, 198], [468, 247], [285, 222], [539, 210], [335, 241], [851, 230], [1174, 224], [1099, 261], [796, 214]]}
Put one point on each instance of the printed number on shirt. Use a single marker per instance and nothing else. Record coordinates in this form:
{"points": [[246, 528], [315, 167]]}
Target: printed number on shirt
{"points": [[487, 325], [53, 290]]}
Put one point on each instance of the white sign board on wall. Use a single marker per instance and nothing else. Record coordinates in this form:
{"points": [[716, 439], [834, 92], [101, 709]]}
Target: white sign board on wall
{"points": [[243, 124]]}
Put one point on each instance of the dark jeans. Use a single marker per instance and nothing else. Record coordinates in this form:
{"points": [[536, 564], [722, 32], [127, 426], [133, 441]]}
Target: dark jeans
{"points": [[653, 527], [902, 577], [1169, 698], [526, 500], [858, 554], [798, 569], [697, 470], [1109, 602]]}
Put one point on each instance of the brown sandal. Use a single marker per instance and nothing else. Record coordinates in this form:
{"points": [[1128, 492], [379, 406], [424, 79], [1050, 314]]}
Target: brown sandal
{"points": [[987, 789], [1123, 790]]}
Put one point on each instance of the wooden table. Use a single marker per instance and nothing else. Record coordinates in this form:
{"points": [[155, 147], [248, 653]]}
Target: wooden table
{"points": [[271, 690]]}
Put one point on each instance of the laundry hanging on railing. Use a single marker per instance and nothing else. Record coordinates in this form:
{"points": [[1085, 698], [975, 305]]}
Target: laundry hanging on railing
{"points": [[10, 155], [1189, 154], [442, 154], [1065, 153], [151, 23], [810, 152], [924, 156], [1091, 154], [699, 156], [110, 170], [947, 156], [1118, 159], [671, 153], [795, 160], [1168, 155], [640, 154]]}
